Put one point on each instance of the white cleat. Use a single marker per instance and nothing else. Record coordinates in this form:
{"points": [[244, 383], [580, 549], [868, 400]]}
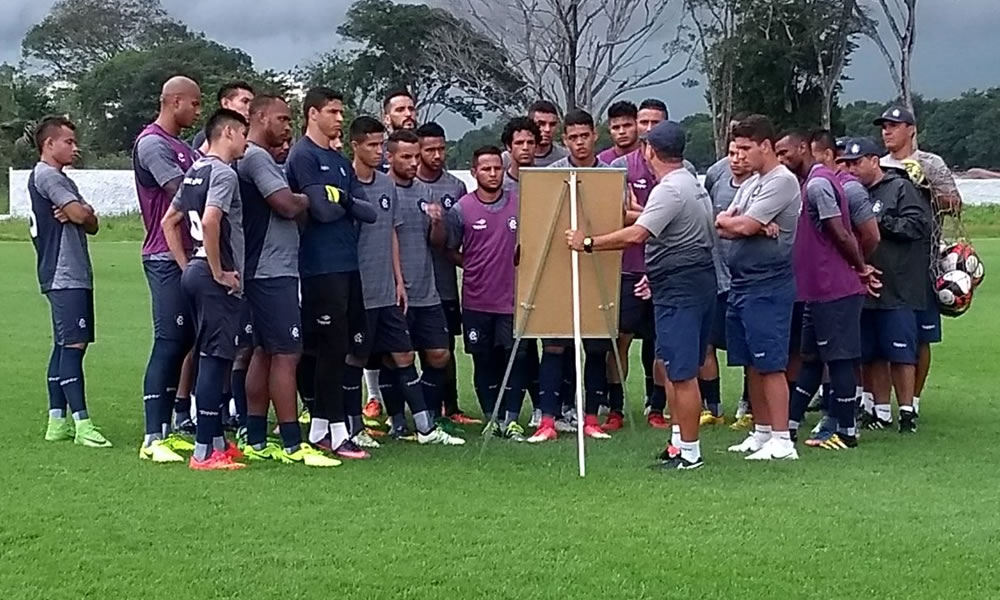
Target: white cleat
{"points": [[776, 449], [536, 418], [440, 436], [750, 444], [364, 440], [564, 425]]}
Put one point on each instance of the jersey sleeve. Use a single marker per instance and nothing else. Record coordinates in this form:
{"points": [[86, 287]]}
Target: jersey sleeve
{"points": [[773, 198], [456, 227], [821, 195], [57, 187], [260, 169], [156, 156], [662, 206], [397, 215], [222, 186]]}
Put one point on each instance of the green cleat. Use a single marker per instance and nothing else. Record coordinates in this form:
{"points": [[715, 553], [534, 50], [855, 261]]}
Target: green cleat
{"points": [[88, 435], [449, 426], [158, 452], [268, 452], [305, 417], [307, 455], [59, 430], [177, 443]]}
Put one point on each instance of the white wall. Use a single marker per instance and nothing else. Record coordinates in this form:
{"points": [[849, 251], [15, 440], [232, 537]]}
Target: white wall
{"points": [[113, 192]]}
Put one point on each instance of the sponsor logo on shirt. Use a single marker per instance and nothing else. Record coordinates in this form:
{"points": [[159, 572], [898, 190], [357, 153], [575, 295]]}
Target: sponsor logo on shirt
{"points": [[193, 181], [324, 168], [384, 202], [479, 225], [512, 223], [343, 173], [639, 184]]}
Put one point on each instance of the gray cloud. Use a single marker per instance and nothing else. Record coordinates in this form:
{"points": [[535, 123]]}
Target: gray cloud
{"points": [[956, 45]]}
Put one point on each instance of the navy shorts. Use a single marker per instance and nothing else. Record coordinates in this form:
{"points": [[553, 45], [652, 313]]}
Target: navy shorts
{"points": [[758, 324], [72, 316], [453, 315], [277, 322], [795, 331], [485, 331], [428, 327], [889, 335], [383, 330], [331, 304], [929, 320], [717, 339], [832, 330], [635, 315], [217, 313], [683, 349], [172, 311], [245, 336]]}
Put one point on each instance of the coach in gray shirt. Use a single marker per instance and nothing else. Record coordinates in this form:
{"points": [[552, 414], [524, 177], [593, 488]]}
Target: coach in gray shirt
{"points": [[677, 227]]}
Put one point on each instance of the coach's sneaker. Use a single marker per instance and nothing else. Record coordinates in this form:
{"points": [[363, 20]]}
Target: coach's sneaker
{"points": [[678, 463], [514, 431], [349, 450], [364, 440], [751, 444], [839, 441], [460, 418], [268, 452], [88, 435], [59, 429], [656, 420], [907, 421], [307, 455], [158, 452], [707, 418], [536, 418], [217, 461], [742, 423], [669, 453], [177, 443], [592, 429], [614, 422], [775, 449], [439, 436]]}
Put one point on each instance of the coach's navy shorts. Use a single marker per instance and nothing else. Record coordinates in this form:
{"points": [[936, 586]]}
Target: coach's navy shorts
{"points": [[929, 320], [889, 335], [758, 323], [453, 315], [384, 329], [485, 331], [682, 337], [428, 327], [277, 322], [832, 330], [216, 312], [72, 316], [635, 315], [717, 338], [172, 312]]}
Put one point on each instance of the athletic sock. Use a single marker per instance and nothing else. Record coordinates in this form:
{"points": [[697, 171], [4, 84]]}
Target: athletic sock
{"points": [[884, 412], [916, 404], [257, 431], [372, 384], [305, 381], [182, 409], [239, 392], [648, 356], [550, 384], [803, 391], [318, 429], [57, 399], [711, 395], [71, 381], [867, 402], [843, 387], [675, 435], [905, 409], [595, 380], [159, 383], [352, 399], [391, 398], [762, 433], [338, 434], [658, 401], [291, 436], [432, 382], [513, 394], [616, 398], [408, 385], [690, 451], [482, 380], [212, 374]]}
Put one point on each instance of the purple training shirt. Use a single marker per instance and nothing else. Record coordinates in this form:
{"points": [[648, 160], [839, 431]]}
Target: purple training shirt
{"points": [[153, 200], [641, 181], [489, 237]]}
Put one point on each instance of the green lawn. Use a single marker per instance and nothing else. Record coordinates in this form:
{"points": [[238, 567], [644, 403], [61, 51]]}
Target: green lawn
{"points": [[904, 518]]}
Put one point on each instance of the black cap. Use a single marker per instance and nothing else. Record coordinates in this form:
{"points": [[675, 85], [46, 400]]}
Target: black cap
{"points": [[896, 114], [668, 137], [856, 148]]}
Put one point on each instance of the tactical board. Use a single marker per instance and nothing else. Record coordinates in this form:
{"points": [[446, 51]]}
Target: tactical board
{"points": [[544, 292]]}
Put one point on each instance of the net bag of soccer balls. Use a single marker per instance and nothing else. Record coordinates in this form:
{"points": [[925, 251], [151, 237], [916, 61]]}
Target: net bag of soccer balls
{"points": [[961, 272]]}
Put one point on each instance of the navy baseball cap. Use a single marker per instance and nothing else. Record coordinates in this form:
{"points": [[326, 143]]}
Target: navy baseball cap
{"points": [[896, 114], [856, 148], [668, 137]]}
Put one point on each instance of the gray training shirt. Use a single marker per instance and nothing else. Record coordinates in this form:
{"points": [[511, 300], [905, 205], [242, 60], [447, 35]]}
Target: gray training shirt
{"points": [[556, 152], [63, 257], [722, 194], [378, 281], [414, 248], [858, 202], [446, 190], [272, 241]]}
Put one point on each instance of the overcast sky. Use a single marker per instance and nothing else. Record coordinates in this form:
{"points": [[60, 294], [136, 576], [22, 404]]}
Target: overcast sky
{"points": [[956, 43]]}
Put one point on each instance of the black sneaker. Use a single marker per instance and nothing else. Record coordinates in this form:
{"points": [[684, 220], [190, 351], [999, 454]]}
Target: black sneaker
{"points": [[907, 422], [187, 427], [668, 454], [678, 463], [793, 434], [871, 422]]}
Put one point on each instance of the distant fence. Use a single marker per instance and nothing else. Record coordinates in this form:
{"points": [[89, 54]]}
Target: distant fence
{"points": [[112, 192]]}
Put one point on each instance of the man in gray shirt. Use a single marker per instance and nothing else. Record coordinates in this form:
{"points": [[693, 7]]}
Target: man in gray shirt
{"points": [[676, 226], [546, 117]]}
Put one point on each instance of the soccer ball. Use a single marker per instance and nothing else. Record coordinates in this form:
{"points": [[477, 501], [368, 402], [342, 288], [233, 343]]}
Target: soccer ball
{"points": [[954, 292], [961, 256]]}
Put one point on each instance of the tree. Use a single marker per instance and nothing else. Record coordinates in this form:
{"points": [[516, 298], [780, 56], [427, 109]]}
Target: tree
{"points": [[121, 95], [23, 102], [834, 24], [584, 53], [78, 35], [700, 147], [716, 23], [460, 152], [901, 20]]}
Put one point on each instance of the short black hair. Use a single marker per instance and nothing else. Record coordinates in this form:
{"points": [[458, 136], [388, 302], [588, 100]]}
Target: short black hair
{"points": [[756, 127], [430, 130], [404, 136], [317, 98], [824, 140], [622, 108], [519, 124], [364, 126], [263, 102], [485, 151], [543, 106], [578, 116], [654, 104], [48, 127], [396, 93], [797, 135], [221, 119], [229, 90]]}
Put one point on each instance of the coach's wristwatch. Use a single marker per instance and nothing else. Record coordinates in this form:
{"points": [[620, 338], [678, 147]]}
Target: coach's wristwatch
{"points": [[588, 244]]}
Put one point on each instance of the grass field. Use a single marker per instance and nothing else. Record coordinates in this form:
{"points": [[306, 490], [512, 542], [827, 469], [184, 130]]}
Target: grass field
{"points": [[906, 518]]}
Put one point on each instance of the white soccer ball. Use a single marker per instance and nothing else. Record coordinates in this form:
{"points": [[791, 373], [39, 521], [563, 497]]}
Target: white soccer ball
{"points": [[954, 292]]}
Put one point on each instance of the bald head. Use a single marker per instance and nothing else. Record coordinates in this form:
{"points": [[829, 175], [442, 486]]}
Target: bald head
{"points": [[180, 101]]}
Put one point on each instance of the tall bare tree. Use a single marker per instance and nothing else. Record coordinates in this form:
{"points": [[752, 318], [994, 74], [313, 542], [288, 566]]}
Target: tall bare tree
{"points": [[715, 22], [584, 53], [897, 27]]}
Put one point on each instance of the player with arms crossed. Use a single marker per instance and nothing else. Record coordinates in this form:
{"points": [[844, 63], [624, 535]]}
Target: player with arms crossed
{"points": [[59, 224], [208, 206], [762, 222], [159, 160]]}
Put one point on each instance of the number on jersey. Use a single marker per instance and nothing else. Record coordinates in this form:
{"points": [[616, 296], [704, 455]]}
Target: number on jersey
{"points": [[197, 233]]}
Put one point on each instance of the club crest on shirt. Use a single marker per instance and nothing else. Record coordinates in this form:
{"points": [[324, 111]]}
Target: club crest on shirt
{"points": [[248, 329], [877, 207], [479, 225], [422, 205], [447, 201], [384, 202], [180, 157], [512, 223], [473, 336], [359, 338]]}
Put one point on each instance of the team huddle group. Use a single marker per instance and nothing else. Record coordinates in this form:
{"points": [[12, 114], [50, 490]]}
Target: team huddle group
{"points": [[280, 270]]}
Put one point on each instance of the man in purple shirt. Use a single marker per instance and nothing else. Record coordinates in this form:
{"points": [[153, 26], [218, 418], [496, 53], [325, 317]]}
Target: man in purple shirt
{"points": [[160, 160], [622, 116]]}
